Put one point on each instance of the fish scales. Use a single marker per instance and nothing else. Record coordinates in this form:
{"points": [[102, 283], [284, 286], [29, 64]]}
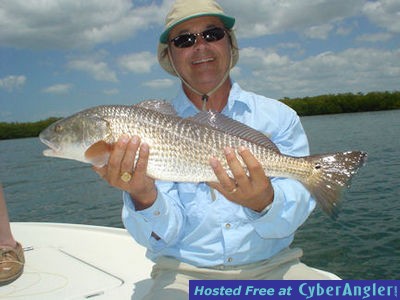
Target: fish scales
{"points": [[185, 156], [180, 148], [176, 153]]}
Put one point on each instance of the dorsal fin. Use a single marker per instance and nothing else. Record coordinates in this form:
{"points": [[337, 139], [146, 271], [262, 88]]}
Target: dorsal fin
{"points": [[162, 106], [225, 124]]}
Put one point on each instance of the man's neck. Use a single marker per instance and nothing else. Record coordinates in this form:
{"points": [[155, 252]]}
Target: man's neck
{"points": [[215, 102]]}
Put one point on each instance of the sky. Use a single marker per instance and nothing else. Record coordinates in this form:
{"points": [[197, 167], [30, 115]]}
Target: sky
{"points": [[58, 57]]}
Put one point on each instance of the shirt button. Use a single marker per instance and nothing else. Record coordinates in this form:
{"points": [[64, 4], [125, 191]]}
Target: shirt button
{"points": [[230, 259], [157, 213], [227, 226]]}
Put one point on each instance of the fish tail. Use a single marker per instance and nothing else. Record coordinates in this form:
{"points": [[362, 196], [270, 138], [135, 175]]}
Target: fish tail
{"points": [[330, 174]]}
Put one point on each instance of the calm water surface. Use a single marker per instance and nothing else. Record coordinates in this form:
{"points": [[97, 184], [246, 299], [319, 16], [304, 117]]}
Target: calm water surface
{"points": [[363, 243]]}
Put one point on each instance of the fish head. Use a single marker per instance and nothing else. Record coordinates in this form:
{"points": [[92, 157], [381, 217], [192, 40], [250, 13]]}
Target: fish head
{"points": [[71, 137]]}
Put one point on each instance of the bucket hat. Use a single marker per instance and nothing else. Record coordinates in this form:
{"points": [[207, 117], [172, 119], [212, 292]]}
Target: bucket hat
{"points": [[183, 10]]}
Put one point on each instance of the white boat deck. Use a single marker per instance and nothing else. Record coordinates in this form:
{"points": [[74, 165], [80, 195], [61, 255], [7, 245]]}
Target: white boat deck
{"points": [[68, 261]]}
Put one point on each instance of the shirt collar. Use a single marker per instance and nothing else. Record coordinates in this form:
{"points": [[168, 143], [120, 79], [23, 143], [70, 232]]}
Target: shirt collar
{"points": [[186, 108], [183, 105]]}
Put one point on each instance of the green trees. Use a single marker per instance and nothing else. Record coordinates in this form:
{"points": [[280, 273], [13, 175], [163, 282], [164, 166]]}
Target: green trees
{"points": [[344, 103], [23, 130]]}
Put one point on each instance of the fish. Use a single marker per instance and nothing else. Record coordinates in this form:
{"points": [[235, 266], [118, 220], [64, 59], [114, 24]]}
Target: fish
{"points": [[181, 148]]}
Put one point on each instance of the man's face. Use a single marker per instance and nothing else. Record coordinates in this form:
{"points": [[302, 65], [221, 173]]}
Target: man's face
{"points": [[204, 64]]}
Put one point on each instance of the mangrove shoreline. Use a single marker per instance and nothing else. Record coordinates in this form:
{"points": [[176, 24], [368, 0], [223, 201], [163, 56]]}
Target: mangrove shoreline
{"points": [[308, 106]]}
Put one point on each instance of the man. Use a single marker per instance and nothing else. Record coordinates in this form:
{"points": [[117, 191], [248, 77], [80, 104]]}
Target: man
{"points": [[241, 227]]}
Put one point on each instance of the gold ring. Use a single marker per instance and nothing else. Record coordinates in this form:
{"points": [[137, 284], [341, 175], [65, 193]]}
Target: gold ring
{"points": [[233, 191], [126, 177]]}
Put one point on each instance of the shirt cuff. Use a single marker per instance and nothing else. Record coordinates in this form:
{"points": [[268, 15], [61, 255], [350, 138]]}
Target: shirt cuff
{"points": [[254, 215], [150, 214], [291, 206]]}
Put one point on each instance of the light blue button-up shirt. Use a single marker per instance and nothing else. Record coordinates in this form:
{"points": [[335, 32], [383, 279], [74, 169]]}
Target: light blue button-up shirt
{"points": [[195, 229]]}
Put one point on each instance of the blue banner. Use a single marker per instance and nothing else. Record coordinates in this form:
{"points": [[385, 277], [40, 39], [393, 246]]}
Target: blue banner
{"points": [[294, 289]]}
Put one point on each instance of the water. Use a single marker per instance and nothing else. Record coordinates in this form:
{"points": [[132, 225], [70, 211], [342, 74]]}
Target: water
{"points": [[363, 243], [42, 189]]}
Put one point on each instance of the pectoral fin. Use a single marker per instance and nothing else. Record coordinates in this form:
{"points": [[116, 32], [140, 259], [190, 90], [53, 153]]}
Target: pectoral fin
{"points": [[98, 153]]}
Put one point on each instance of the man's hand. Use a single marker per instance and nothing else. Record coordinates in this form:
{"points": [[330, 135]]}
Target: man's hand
{"points": [[122, 160], [253, 190]]}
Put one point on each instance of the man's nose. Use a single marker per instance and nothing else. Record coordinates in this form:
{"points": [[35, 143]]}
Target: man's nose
{"points": [[200, 42]]}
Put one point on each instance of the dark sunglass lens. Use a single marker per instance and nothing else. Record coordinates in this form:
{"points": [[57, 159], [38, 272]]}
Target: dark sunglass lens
{"points": [[189, 39], [214, 34], [184, 40]]}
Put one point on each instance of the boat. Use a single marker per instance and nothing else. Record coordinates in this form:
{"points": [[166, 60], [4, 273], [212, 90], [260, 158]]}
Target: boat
{"points": [[73, 261]]}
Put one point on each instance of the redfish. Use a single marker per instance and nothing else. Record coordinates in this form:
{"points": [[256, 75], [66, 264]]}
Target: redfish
{"points": [[180, 148]]}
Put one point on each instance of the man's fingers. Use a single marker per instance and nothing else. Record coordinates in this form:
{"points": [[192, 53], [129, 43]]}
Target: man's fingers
{"points": [[128, 161], [225, 181], [236, 167], [254, 167], [116, 157], [141, 165]]}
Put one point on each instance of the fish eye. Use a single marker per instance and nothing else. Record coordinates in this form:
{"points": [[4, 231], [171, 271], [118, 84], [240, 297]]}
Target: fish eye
{"points": [[58, 128]]}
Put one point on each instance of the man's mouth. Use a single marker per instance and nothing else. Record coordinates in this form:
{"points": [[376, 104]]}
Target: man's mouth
{"points": [[203, 60]]}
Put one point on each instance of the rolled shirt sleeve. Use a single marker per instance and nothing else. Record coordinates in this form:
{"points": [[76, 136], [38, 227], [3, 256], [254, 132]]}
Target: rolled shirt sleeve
{"points": [[164, 218], [291, 207]]}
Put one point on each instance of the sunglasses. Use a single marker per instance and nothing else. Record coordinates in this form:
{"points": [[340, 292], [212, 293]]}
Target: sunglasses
{"points": [[187, 40]]}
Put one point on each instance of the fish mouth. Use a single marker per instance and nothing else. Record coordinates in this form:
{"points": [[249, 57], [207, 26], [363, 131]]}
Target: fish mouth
{"points": [[53, 149]]}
